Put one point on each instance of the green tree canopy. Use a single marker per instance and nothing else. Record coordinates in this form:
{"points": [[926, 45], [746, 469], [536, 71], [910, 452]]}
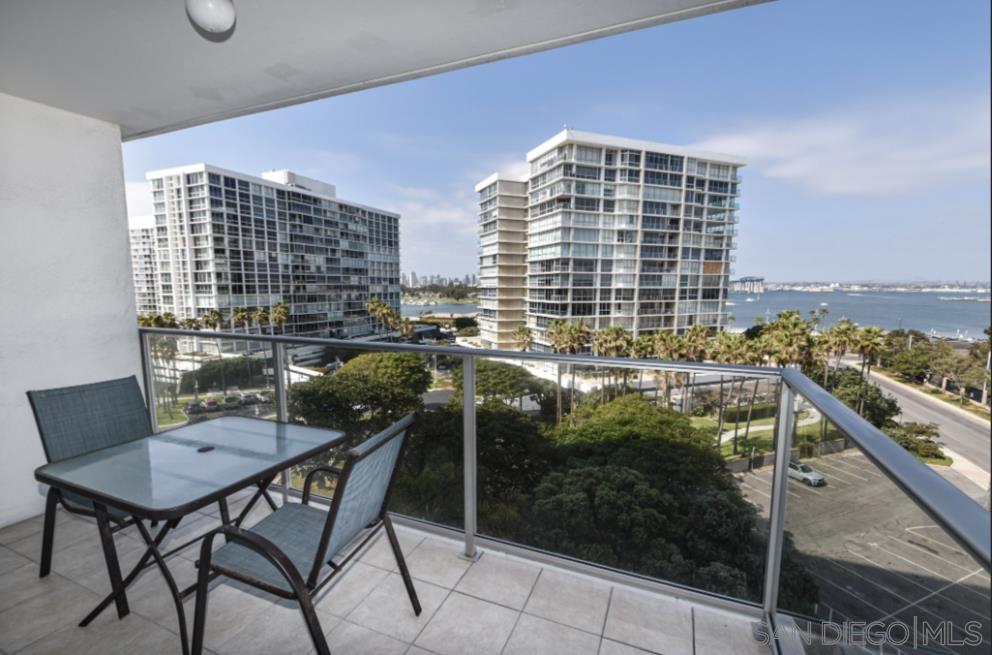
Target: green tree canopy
{"points": [[498, 381], [363, 396]]}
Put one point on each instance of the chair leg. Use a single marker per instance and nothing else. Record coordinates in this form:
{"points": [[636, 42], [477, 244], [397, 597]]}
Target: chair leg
{"points": [[200, 612], [401, 562], [48, 536], [313, 626]]}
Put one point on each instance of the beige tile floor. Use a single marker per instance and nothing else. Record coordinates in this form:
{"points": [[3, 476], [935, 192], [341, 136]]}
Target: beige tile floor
{"points": [[496, 605]]}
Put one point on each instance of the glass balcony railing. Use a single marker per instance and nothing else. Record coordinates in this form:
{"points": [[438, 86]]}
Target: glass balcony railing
{"points": [[733, 485]]}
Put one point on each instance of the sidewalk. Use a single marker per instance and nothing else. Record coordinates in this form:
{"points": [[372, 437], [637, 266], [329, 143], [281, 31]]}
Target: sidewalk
{"points": [[936, 402], [968, 469]]}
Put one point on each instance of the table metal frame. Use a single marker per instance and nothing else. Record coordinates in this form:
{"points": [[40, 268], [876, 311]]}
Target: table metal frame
{"points": [[171, 518]]}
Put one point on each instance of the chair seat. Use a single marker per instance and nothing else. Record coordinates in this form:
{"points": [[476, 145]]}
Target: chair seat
{"points": [[81, 503], [294, 528]]}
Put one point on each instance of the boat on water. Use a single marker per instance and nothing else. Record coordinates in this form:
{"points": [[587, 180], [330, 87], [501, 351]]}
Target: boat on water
{"points": [[823, 304], [749, 300]]}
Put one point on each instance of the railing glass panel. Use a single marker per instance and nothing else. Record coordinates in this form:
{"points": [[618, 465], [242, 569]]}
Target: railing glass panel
{"points": [[670, 472], [200, 378], [874, 572], [631, 469], [361, 392]]}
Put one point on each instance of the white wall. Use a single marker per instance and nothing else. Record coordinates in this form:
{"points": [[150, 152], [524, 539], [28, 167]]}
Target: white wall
{"points": [[66, 295]]}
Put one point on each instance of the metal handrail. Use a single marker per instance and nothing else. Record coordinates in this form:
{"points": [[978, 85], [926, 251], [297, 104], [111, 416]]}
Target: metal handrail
{"points": [[964, 519], [382, 346]]}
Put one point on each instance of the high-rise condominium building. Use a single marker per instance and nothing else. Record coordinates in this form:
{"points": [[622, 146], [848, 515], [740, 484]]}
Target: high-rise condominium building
{"points": [[618, 232], [225, 240], [144, 269], [502, 259]]}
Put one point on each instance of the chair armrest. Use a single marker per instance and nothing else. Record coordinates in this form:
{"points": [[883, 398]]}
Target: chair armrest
{"points": [[260, 545], [309, 480]]}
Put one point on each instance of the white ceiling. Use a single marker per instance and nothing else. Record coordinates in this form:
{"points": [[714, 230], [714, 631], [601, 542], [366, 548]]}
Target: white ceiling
{"points": [[140, 64]]}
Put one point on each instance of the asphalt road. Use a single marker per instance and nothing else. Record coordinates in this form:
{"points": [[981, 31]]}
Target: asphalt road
{"points": [[964, 436], [874, 555]]}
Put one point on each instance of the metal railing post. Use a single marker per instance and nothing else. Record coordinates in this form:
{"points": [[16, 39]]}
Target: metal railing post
{"points": [[776, 517], [469, 463], [149, 376], [282, 409]]}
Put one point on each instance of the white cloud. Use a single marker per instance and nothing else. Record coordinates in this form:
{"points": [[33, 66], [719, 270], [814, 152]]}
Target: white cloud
{"points": [[438, 230], [425, 207], [882, 149], [139, 199]]}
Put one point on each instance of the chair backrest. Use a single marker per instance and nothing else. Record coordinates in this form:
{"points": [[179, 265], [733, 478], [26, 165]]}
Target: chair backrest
{"points": [[363, 490], [87, 417]]}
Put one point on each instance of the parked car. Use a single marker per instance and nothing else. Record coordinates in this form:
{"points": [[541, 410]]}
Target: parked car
{"points": [[193, 408], [806, 474], [249, 398], [231, 402], [210, 405]]}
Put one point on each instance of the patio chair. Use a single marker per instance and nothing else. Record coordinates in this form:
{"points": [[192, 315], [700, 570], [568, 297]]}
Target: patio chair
{"points": [[295, 551], [77, 420]]}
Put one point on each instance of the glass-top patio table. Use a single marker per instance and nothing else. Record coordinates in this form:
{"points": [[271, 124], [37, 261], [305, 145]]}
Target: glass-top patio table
{"points": [[167, 476]]}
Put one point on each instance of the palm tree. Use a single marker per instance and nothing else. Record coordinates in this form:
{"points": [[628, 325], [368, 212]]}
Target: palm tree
{"points": [[823, 349], [577, 336], [279, 316], [642, 348], [557, 339], [754, 353], [727, 348], [667, 346], [696, 344], [788, 339], [166, 320], [844, 336], [523, 338], [870, 344], [212, 319], [190, 324], [261, 316], [406, 328], [384, 313], [612, 341], [377, 309], [240, 315]]}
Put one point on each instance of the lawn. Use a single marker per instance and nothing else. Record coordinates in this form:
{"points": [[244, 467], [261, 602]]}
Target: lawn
{"points": [[762, 442], [178, 417]]}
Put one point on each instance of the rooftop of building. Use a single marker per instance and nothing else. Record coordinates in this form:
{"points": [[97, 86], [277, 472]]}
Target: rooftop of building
{"points": [[569, 135], [288, 179]]}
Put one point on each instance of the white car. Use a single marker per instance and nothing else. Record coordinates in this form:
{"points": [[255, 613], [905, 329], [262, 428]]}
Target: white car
{"points": [[806, 474]]}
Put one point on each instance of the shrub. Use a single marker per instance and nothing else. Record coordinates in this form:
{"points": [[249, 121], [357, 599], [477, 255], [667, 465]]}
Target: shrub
{"points": [[918, 438]]}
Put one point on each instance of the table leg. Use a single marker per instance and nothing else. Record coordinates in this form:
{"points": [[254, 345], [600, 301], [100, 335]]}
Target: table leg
{"points": [[225, 514], [263, 492], [142, 564], [110, 555], [177, 597]]}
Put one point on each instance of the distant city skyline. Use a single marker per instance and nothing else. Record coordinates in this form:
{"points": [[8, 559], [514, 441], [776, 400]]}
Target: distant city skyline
{"points": [[856, 136]]}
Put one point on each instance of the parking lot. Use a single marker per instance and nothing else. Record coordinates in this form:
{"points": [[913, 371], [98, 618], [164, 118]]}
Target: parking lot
{"points": [[874, 554]]}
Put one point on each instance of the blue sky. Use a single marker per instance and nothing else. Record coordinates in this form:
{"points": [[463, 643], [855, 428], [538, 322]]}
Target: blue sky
{"points": [[865, 124]]}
